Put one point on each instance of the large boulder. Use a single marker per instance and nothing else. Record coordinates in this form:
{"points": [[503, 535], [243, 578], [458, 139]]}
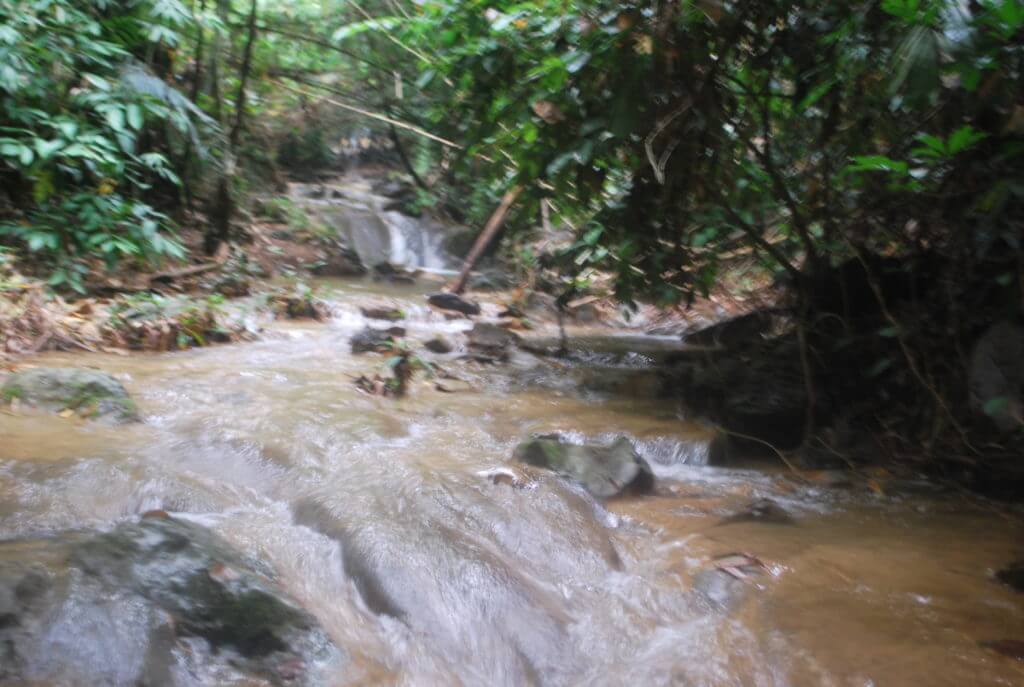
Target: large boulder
{"points": [[160, 601], [604, 471], [90, 393]]}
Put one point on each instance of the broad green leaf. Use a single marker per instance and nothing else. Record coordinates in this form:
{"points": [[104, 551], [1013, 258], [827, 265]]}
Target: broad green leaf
{"points": [[115, 118], [134, 116], [45, 149], [878, 163]]}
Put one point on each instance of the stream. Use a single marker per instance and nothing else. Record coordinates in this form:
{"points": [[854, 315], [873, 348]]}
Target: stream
{"points": [[378, 518]]}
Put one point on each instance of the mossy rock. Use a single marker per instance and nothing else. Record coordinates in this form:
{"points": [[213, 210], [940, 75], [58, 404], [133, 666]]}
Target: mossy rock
{"points": [[604, 471], [90, 393]]}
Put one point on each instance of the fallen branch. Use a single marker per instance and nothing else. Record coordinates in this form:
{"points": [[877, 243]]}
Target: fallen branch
{"points": [[173, 275], [484, 239], [778, 452]]}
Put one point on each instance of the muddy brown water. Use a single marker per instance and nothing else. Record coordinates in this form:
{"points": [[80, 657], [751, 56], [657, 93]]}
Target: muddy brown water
{"points": [[373, 515]]}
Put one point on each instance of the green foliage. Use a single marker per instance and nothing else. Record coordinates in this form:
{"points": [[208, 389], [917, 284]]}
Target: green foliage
{"points": [[108, 226], [78, 115], [670, 134]]}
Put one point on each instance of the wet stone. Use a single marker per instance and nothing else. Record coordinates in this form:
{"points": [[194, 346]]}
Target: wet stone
{"points": [[439, 344], [149, 593], [90, 393], [453, 302], [491, 341], [764, 511], [604, 471], [370, 340], [382, 312]]}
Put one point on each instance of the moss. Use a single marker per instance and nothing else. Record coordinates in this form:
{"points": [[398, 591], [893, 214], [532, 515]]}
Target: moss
{"points": [[12, 392]]}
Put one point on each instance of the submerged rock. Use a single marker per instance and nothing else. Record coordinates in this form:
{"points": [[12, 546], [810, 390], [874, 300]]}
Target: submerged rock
{"points": [[370, 340], [90, 393], [453, 302], [761, 510], [728, 581], [151, 602], [604, 471], [1013, 575]]}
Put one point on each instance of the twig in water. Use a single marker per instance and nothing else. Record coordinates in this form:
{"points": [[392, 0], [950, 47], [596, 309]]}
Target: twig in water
{"points": [[774, 448]]}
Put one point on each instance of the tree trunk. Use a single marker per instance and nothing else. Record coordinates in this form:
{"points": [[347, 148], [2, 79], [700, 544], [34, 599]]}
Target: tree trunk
{"points": [[197, 71], [220, 227], [485, 238], [223, 8]]}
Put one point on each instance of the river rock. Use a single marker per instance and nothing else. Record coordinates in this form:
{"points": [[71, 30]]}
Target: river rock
{"points": [[385, 271], [370, 340], [150, 602], [344, 263], [763, 510], [91, 393], [382, 312], [490, 280], [491, 340], [453, 302], [439, 344], [604, 471]]}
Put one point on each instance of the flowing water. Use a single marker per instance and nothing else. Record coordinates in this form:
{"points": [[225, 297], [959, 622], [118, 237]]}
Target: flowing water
{"points": [[378, 235], [371, 512]]}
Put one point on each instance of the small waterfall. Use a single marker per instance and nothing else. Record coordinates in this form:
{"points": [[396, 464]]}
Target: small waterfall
{"points": [[350, 207]]}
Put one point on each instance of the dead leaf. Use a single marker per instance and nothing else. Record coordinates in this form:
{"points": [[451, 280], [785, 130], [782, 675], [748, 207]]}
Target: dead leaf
{"points": [[548, 111], [67, 412]]}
